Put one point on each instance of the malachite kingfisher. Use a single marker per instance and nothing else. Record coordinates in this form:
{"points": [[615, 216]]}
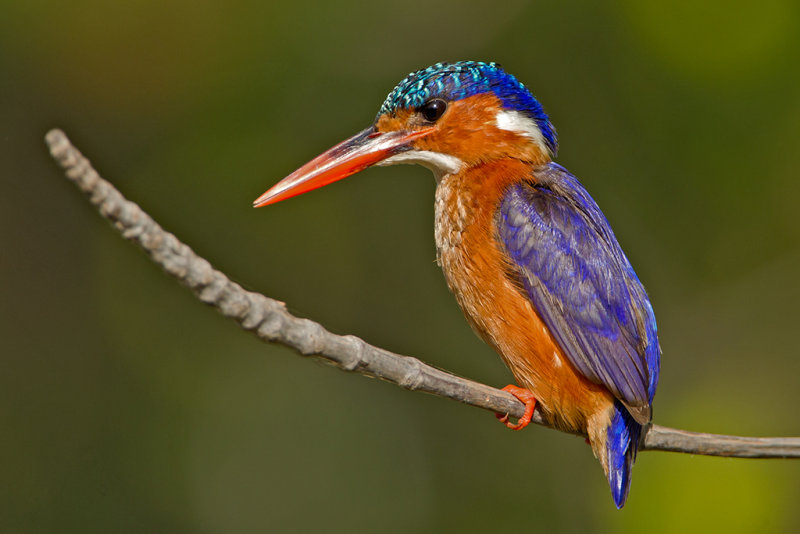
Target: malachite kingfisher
{"points": [[529, 256]]}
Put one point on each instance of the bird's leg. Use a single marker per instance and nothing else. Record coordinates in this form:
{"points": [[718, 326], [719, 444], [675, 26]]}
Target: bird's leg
{"points": [[524, 395]]}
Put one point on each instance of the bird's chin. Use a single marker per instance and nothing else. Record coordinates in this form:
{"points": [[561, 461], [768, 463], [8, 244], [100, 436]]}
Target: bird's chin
{"points": [[440, 164]]}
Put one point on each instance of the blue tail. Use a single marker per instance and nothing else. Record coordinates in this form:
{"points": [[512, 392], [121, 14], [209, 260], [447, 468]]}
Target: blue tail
{"points": [[622, 443]]}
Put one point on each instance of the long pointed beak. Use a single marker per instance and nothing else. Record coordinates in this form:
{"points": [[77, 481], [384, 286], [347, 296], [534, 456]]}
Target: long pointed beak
{"points": [[353, 155]]}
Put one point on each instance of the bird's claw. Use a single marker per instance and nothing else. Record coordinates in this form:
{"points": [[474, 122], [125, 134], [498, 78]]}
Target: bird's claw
{"points": [[524, 395]]}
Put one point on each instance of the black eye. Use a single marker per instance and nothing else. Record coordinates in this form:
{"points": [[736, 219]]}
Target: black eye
{"points": [[433, 109]]}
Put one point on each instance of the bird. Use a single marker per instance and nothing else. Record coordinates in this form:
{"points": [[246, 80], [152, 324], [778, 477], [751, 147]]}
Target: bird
{"points": [[529, 256]]}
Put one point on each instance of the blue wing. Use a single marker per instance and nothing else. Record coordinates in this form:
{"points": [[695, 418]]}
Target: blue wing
{"points": [[570, 265]]}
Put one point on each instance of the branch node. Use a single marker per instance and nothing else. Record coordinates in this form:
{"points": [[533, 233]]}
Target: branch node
{"points": [[354, 357], [210, 293], [306, 336], [234, 304], [272, 327], [255, 311], [199, 274], [413, 377]]}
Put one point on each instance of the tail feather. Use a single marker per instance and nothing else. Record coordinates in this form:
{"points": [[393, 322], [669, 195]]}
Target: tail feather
{"points": [[622, 444]]}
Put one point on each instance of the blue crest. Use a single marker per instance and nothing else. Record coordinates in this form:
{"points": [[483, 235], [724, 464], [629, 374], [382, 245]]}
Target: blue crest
{"points": [[454, 81]]}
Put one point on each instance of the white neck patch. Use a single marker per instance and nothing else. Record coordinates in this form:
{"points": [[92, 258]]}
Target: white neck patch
{"points": [[440, 164], [516, 122]]}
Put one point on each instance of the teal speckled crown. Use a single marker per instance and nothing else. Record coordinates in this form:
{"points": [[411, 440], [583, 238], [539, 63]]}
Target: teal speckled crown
{"points": [[454, 81]]}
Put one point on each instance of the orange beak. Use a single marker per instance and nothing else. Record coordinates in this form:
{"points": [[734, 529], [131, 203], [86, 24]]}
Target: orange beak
{"points": [[353, 155]]}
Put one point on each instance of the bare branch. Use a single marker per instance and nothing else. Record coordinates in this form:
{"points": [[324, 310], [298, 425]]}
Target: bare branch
{"points": [[270, 321]]}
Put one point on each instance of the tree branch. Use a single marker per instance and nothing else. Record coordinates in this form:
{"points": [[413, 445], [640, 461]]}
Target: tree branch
{"points": [[269, 320]]}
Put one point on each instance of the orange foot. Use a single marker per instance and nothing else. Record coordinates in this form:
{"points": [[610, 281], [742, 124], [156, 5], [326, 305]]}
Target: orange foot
{"points": [[526, 396]]}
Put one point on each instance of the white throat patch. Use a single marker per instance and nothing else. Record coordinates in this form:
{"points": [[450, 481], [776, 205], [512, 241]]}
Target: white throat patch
{"points": [[516, 122], [440, 164]]}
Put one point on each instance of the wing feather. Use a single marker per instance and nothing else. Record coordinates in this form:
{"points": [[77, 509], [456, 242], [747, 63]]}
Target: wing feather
{"points": [[581, 284]]}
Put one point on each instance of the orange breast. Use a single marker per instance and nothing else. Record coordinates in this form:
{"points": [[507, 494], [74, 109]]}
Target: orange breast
{"points": [[498, 311]]}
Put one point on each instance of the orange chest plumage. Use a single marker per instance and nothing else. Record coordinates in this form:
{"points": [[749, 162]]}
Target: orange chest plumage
{"points": [[477, 273]]}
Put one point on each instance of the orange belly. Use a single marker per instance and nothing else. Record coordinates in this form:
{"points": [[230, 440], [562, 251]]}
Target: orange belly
{"points": [[499, 311]]}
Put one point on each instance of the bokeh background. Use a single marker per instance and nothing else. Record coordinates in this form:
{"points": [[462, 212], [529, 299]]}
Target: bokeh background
{"points": [[128, 407]]}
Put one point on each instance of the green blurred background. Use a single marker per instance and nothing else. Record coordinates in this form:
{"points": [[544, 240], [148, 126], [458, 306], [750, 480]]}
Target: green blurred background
{"points": [[128, 407]]}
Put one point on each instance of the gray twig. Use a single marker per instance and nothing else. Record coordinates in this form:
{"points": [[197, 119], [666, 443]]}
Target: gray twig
{"points": [[270, 321]]}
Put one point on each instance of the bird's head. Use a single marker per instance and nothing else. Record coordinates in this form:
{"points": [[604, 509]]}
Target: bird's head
{"points": [[448, 117]]}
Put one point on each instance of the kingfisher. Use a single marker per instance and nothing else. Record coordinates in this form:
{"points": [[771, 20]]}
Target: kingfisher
{"points": [[529, 256]]}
